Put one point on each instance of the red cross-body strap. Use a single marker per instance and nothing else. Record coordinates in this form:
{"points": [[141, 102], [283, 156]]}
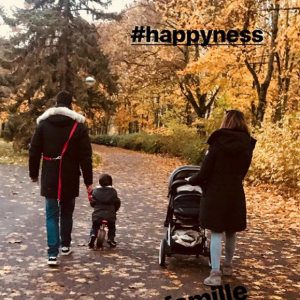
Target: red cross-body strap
{"points": [[60, 163], [60, 158]]}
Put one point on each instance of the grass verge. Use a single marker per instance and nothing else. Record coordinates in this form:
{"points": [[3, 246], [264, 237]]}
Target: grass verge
{"points": [[9, 157]]}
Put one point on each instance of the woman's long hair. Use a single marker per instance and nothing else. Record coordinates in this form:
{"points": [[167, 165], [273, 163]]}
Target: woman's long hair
{"points": [[234, 119]]}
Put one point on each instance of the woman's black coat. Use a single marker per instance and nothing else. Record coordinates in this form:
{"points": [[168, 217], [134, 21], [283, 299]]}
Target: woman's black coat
{"points": [[50, 136], [223, 205]]}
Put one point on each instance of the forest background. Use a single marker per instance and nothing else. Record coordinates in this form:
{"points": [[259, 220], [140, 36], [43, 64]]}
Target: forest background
{"points": [[156, 98]]}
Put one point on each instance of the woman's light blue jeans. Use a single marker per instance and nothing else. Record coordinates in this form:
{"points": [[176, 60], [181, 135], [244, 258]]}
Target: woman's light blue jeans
{"points": [[54, 209], [216, 248]]}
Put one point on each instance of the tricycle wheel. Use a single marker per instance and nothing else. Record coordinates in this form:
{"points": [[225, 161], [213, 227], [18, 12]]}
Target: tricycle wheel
{"points": [[100, 237]]}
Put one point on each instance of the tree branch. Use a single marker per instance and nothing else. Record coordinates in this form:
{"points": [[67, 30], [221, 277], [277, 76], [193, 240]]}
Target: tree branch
{"points": [[212, 100], [251, 70]]}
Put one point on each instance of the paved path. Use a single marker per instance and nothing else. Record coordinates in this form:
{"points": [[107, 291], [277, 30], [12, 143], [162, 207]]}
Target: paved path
{"points": [[267, 261]]}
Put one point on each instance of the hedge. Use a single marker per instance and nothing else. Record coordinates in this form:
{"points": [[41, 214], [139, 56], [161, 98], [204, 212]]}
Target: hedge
{"points": [[184, 143]]}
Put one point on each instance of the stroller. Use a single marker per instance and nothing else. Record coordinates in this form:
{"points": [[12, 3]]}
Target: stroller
{"points": [[184, 236]]}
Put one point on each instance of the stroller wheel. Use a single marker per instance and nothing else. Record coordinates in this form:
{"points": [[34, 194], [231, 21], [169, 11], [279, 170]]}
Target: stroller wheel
{"points": [[209, 260], [206, 251], [207, 254], [162, 253]]}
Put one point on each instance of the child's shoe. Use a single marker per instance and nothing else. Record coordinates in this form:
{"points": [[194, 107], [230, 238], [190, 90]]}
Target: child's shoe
{"points": [[111, 242], [92, 241], [227, 268], [214, 278]]}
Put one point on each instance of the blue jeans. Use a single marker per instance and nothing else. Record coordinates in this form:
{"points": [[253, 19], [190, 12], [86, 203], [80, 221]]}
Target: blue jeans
{"points": [[216, 248], [65, 209]]}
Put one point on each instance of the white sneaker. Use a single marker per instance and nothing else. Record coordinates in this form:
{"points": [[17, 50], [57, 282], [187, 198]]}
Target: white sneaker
{"points": [[66, 250], [227, 269], [52, 261], [214, 279]]}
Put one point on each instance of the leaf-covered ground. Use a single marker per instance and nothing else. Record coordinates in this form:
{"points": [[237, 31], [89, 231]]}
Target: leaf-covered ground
{"points": [[267, 260]]}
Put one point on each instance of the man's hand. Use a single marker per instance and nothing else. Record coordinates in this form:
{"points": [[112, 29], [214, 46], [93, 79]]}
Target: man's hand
{"points": [[35, 180], [89, 188]]}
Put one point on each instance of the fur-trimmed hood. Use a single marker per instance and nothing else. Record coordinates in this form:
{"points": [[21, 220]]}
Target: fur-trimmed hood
{"points": [[61, 111]]}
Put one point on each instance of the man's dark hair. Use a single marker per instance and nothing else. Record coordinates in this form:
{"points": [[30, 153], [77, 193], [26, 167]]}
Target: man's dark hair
{"points": [[105, 180], [64, 98]]}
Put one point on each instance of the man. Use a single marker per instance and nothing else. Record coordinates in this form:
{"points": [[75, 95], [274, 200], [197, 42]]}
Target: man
{"points": [[62, 161]]}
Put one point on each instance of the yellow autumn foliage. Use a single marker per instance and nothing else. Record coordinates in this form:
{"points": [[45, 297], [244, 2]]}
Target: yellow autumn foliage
{"points": [[276, 157]]}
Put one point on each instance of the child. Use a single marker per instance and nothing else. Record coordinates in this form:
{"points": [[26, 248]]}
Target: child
{"points": [[106, 203]]}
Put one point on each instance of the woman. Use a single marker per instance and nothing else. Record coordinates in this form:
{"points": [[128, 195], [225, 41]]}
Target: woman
{"points": [[223, 205]]}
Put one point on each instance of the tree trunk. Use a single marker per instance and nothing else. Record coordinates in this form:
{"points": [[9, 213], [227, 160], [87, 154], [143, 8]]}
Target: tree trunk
{"points": [[65, 36], [262, 89], [201, 103]]}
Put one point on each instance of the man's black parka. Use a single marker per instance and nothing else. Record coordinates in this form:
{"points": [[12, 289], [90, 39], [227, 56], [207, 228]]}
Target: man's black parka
{"points": [[51, 134], [223, 205]]}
